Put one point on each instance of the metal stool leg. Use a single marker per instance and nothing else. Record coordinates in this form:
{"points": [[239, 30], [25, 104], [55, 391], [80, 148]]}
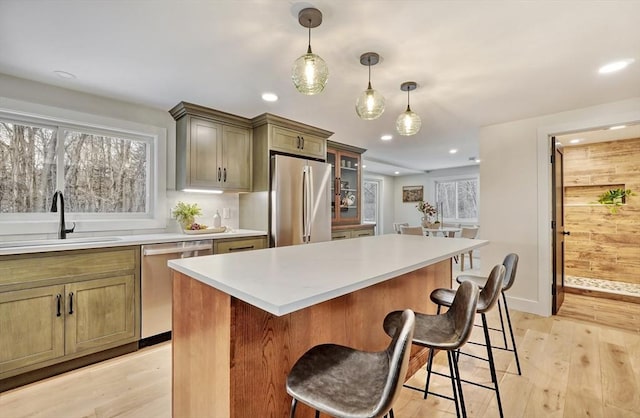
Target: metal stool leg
{"points": [[459, 381], [504, 333], [429, 365], [492, 367], [513, 338], [294, 403], [454, 389]]}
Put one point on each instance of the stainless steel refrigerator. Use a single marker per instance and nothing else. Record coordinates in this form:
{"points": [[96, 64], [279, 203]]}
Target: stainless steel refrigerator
{"points": [[300, 201]]}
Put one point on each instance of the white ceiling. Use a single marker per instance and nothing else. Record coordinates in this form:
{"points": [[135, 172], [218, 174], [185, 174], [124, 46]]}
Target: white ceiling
{"points": [[476, 62]]}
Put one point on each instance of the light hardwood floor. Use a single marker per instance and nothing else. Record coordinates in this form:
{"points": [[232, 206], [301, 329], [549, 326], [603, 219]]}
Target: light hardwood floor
{"points": [[571, 368]]}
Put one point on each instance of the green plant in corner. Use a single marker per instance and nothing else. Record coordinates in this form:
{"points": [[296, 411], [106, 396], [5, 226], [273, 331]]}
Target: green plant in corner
{"points": [[614, 198], [186, 213]]}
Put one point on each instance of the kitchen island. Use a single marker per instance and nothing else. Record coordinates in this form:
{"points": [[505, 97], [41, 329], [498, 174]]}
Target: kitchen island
{"points": [[240, 321]]}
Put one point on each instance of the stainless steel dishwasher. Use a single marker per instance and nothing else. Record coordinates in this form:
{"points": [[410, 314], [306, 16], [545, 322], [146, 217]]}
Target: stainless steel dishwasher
{"points": [[156, 285]]}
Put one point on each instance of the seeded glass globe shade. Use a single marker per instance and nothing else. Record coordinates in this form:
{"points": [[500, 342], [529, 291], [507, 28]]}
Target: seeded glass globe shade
{"points": [[310, 74], [408, 123], [370, 104]]}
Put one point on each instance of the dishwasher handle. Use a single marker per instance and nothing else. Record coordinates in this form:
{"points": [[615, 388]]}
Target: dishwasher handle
{"points": [[176, 250]]}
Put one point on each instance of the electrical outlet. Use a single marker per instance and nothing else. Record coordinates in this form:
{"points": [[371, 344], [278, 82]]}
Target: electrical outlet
{"points": [[226, 213], [171, 215]]}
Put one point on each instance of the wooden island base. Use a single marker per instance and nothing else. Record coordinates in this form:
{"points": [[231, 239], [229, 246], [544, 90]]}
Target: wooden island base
{"points": [[231, 359]]}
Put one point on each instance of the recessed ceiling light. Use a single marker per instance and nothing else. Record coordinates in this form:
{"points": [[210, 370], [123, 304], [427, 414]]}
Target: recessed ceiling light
{"points": [[575, 140], [396, 172], [453, 151], [613, 128], [615, 66], [364, 166], [477, 160], [269, 97], [386, 137], [64, 74]]}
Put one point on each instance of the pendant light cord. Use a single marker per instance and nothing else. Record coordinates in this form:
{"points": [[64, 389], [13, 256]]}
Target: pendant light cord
{"points": [[408, 106], [369, 59], [309, 45]]}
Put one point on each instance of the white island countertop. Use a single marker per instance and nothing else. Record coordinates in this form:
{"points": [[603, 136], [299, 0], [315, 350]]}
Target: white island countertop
{"points": [[285, 279]]}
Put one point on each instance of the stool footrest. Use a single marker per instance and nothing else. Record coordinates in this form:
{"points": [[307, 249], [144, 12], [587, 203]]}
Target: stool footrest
{"points": [[421, 390]]}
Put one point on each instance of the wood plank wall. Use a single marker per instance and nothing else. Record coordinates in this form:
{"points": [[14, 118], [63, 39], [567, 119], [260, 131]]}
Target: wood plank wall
{"points": [[602, 245]]}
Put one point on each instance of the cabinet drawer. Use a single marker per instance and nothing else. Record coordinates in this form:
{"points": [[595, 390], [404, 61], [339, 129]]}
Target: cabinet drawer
{"points": [[238, 245], [293, 142], [361, 233], [340, 235], [46, 268]]}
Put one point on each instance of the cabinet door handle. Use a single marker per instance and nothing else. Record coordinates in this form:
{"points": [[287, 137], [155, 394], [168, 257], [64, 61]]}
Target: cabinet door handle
{"points": [[302, 146], [224, 177], [248, 247], [219, 173], [58, 304], [298, 143], [71, 303]]}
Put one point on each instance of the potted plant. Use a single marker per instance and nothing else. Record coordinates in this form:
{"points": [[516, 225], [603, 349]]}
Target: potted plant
{"points": [[428, 211], [186, 213], [614, 198]]}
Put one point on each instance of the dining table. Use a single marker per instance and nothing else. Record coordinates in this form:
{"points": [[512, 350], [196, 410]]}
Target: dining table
{"points": [[447, 231]]}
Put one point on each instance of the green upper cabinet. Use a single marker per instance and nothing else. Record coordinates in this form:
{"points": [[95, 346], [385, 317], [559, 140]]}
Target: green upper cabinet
{"points": [[213, 149]]}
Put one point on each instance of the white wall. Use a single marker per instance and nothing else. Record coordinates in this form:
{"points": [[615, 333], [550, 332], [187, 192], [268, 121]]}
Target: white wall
{"points": [[515, 193], [407, 212]]}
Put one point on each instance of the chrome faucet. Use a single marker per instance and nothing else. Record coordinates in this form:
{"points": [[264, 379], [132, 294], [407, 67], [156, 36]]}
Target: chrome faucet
{"points": [[62, 231]]}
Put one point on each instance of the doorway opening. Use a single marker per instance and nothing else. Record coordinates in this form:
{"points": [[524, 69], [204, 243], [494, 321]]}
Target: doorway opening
{"points": [[601, 247], [371, 207]]}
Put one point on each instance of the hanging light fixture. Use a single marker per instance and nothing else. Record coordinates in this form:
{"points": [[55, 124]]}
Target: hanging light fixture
{"points": [[370, 103], [310, 72], [408, 123]]}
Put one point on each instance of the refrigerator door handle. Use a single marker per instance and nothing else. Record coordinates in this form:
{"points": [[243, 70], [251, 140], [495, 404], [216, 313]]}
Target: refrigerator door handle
{"points": [[304, 205], [309, 202]]}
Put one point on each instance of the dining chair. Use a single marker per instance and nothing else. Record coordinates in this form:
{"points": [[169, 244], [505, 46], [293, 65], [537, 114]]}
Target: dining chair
{"points": [[411, 230], [398, 225], [470, 233]]}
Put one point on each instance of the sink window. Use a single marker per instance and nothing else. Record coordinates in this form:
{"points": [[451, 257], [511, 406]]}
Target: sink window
{"points": [[102, 171]]}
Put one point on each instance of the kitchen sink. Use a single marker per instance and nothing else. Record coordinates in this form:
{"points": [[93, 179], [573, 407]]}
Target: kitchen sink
{"points": [[68, 241]]}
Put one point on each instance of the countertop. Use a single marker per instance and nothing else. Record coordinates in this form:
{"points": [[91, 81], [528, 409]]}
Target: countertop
{"points": [[285, 279], [39, 246]]}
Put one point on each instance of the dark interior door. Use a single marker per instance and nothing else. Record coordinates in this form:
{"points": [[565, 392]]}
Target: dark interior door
{"points": [[557, 226]]}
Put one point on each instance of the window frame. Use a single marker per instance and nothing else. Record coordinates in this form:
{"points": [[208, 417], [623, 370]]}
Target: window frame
{"points": [[457, 179], [46, 224]]}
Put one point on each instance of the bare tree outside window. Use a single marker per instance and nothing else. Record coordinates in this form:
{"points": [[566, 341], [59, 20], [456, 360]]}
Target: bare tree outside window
{"points": [[459, 198], [27, 167], [102, 173]]}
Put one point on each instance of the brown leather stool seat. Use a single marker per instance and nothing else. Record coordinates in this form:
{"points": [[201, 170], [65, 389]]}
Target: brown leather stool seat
{"points": [[447, 332], [343, 382]]}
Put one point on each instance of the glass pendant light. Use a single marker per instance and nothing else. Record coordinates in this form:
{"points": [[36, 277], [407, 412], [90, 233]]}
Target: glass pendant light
{"points": [[310, 73], [370, 103], [408, 123]]}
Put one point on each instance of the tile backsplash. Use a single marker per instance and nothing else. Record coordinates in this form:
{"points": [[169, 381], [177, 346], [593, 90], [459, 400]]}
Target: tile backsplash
{"points": [[209, 204]]}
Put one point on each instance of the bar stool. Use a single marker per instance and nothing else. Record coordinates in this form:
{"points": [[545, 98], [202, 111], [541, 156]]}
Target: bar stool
{"points": [[348, 383], [511, 265], [447, 332], [487, 300]]}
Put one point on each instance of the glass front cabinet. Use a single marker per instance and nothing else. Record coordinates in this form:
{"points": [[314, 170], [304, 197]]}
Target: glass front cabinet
{"points": [[347, 183]]}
